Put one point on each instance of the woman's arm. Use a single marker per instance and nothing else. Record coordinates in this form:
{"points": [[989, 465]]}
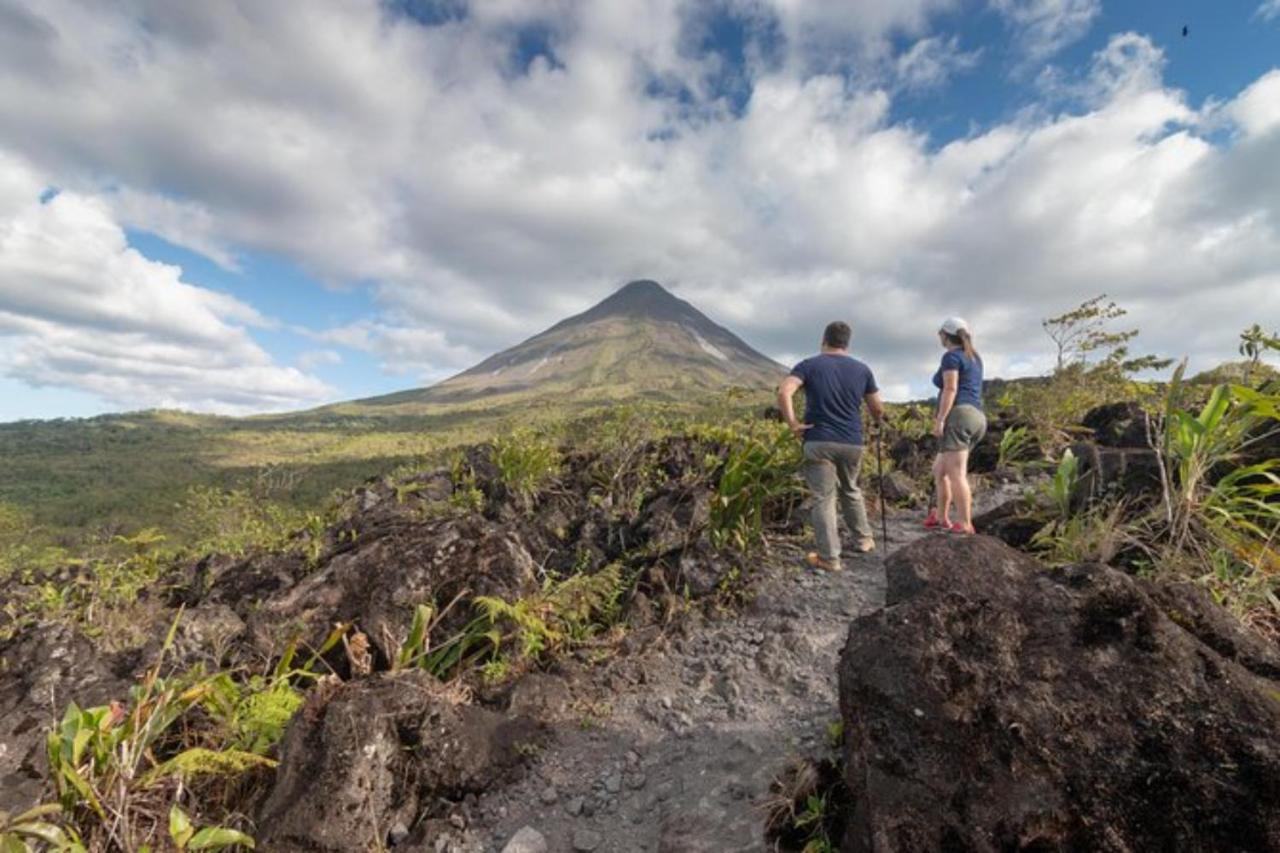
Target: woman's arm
{"points": [[950, 384]]}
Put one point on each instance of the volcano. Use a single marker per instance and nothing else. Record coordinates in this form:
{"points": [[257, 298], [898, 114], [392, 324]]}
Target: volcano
{"points": [[640, 340]]}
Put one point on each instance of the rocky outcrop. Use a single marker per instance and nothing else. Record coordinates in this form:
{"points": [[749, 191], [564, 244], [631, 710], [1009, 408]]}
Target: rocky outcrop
{"points": [[1130, 474], [40, 672], [365, 760], [1119, 425], [378, 583], [994, 704], [1014, 522]]}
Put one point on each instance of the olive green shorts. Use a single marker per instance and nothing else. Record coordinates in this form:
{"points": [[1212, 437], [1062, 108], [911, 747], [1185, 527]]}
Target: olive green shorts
{"points": [[964, 428]]}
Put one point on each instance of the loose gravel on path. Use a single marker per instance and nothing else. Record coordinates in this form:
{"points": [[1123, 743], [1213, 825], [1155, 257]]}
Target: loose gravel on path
{"points": [[700, 723]]}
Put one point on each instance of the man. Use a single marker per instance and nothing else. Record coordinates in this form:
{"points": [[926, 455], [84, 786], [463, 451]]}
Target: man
{"points": [[835, 386]]}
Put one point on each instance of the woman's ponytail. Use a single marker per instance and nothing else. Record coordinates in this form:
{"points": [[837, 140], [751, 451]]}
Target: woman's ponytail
{"points": [[966, 341]]}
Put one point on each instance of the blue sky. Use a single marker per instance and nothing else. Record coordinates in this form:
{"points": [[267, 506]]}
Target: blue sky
{"points": [[233, 208]]}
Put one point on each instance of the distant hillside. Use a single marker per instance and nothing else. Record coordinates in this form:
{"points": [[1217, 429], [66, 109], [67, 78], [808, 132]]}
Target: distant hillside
{"points": [[640, 340], [1234, 371], [71, 480]]}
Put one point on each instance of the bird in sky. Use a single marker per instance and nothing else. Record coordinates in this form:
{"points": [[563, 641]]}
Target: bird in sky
{"points": [[1186, 31]]}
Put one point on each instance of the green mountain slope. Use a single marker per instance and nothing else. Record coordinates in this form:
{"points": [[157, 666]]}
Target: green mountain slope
{"points": [[72, 480], [640, 340]]}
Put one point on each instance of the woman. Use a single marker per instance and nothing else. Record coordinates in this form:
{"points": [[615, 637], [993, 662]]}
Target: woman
{"points": [[959, 425]]}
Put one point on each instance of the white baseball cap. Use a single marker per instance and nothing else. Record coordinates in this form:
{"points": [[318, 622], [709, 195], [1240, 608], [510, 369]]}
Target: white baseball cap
{"points": [[954, 325]]}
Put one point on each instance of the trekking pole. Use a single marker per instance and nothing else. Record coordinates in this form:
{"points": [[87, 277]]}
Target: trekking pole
{"points": [[884, 512]]}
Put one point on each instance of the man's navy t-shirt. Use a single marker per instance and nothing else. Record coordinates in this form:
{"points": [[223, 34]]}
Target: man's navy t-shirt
{"points": [[834, 386]]}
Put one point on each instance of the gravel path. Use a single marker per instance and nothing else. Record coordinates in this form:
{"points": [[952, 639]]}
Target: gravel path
{"points": [[699, 723]]}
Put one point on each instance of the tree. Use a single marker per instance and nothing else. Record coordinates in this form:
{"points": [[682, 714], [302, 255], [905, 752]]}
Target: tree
{"points": [[1083, 332], [1253, 342]]}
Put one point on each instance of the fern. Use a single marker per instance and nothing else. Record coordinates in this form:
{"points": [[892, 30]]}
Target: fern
{"points": [[563, 613], [199, 761]]}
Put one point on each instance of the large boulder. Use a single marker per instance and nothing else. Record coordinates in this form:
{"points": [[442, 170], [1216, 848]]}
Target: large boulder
{"points": [[41, 671], [368, 759], [378, 583], [1119, 425], [1014, 522], [994, 704], [1132, 474]]}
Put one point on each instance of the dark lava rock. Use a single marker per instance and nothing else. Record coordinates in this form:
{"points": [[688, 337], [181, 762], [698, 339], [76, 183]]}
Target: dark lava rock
{"points": [[898, 488], [994, 704], [1118, 425], [675, 518], [1131, 474], [913, 456], [1188, 606], [41, 671], [1012, 522], [380, 752], [378, 584], [541, 697]]}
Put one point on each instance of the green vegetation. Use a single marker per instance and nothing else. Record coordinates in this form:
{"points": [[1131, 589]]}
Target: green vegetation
{"points": [[759, 471], [120, 771], [1217, 511], [130, 502], [526, 460], [226, 484], [1094, 366], [1217, 517], [565, 613]]}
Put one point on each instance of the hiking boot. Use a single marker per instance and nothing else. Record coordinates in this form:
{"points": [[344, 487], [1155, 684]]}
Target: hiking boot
{"points": [[866, 546], [816, 562]]}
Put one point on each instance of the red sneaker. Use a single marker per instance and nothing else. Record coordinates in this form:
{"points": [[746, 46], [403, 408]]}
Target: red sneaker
{"points": [[959, 527], [932, 522]]}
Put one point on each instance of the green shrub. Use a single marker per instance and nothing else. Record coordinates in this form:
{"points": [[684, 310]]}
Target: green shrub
{"points": [[563, 614], [526, 461], [759, 472], [1016, 444]]}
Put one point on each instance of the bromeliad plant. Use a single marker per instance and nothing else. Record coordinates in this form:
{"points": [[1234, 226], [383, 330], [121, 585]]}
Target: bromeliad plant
{"points": [[34, 829], [759, 471], [1222, 517], [1016, 444], [119, 769], [1208, 498]]}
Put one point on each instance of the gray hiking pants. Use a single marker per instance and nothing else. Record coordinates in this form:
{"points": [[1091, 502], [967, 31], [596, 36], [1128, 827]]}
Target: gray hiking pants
{"points": [[831, 470]]}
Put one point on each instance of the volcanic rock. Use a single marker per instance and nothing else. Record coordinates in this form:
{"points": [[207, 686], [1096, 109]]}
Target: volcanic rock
{"points": [[994, 704], [1118, 425], [378, 752], [1132, 474], [40, 672]]}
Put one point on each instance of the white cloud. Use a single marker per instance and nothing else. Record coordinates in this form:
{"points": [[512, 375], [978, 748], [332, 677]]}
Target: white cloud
{"points": [[80, 309], [1257, 110], [1044, 27], [404, 349], [481, 202], [314, 358], [1269, 10], [932, 61]]}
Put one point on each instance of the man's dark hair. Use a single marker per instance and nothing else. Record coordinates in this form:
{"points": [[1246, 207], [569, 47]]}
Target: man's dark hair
{"points": [[837, 335]]}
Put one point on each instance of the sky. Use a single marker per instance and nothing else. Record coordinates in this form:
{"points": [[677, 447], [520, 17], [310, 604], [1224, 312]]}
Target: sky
{"points": [[236, 206]]}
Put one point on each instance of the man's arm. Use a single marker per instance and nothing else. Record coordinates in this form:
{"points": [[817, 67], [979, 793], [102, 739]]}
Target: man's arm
{"points": [[875, 405], [786, 391]]}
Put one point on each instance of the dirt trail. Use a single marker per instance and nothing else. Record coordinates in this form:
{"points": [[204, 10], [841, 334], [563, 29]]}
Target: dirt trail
{"points": [[701, 722]]}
